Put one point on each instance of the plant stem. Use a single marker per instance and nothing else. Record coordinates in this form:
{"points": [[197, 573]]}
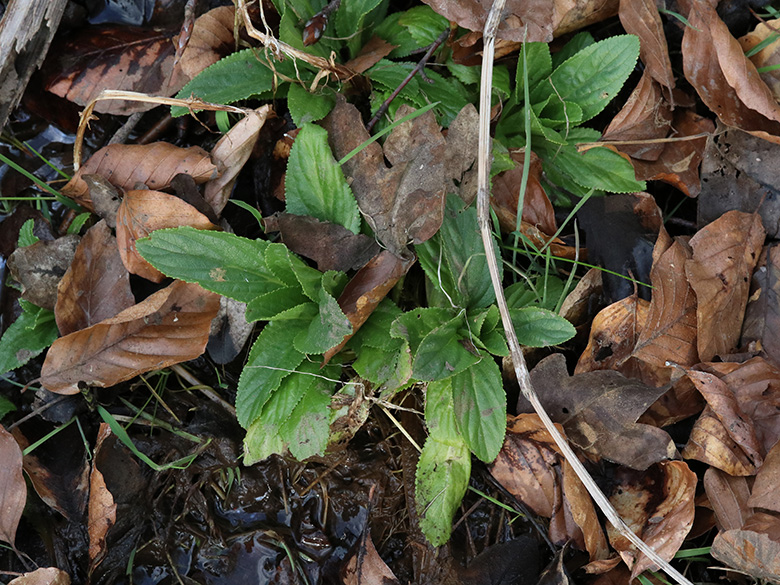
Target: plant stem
{"points": [[418, 69], [521, 368]]}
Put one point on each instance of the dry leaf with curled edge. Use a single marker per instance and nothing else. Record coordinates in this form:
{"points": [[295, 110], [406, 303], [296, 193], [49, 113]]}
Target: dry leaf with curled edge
{"points": [[143, 212], [155, 165], [724, 255], [658, 505], [599, 411], [754, 549], [13, 489], [96, 285], [169, 327]]}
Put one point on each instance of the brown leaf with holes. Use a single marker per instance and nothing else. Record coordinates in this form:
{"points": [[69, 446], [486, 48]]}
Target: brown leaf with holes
{"points": [[669, 333], [143, 212], [755, 549], [113, 57], [599, 411], [155, 165], [641, 18], [169, 327], [537, 209], [658, 505], [724, 255], [678, 164], [404, 203], [40, 267], [646, 116], [96, 285], [727, 81], [13, 489], [230, 154]]}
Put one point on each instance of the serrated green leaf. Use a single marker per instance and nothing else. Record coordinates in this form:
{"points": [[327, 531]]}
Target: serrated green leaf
{"points": [[595, 75], [306, 107], [539, 64], [390, 30], [449, 92], [414, 325], [444, 466], [576, 44], [423, 24], [272, 304], [33, 331], [560, 115], [315, 185], [598, 168], [375, 332], [390, 75], [222, 263], [295, 418], [327, 329], [272, 358], [293, 271], [480, 408], [537, 327], [26, 235], [444, 352], [351, 22], [546, 293], [236, 77], [454, 259]]}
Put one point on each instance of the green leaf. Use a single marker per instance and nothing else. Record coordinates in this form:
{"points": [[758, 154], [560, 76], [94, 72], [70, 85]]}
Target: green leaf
{"points": [[414, 325], [445, 352], [272, 304], [598, 168], [537, 327], [236, 77], [33, 331], [26, 235], [351, 22], [293, 271], [220, 262], [577, 43], [444, 466], [391, 31], [454, 259], [295, 418], [6, 406], [272, 358], [539, 64], [595, 75], [308, 107], [375, 332], [327, 329], [315, 185], [480, 408], [423, 24]]}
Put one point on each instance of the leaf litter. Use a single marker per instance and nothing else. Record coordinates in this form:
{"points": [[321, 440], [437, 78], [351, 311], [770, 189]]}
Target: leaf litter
{"points": [[701, 352]]}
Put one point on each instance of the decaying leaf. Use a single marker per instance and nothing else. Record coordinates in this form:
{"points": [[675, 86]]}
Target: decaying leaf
{"points": [[143, 212], [96, 285], [755, 549], [126, 165], [728, 496], [43, 576], [211, 39], [762, 316], [101, 515], [764, 493], [13, 489], [599, 411], [658, 505], [641, 18], [366, 567], [724, 255], [710, 442], [537, 209], [169, 327], [40, 267], [404, 203], [767, 55]]}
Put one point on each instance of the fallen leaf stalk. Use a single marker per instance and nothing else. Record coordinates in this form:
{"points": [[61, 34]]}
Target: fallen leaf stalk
{"points": [[521, 369]]}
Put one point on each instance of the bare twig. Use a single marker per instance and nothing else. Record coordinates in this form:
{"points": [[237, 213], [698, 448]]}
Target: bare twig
{"points": [[521, 369], [418, 69]]}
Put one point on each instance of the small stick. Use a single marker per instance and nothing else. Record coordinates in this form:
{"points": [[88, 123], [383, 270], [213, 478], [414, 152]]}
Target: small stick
{"points": [[521, 369], [418, 69]]}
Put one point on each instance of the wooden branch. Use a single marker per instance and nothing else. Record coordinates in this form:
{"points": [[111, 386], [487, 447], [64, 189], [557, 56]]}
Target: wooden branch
{"points": [[521, 369]]}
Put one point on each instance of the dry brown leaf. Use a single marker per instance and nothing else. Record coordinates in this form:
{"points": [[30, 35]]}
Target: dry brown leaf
{"points": [[599, 411], [710, 443], [754, 551], [578, 306], [724, 255], [647, 116], [101, 511], [230, 154], [726, 80], [537, 209], [728, 496], [613, 336], [572, 15], [143, 212], [154, 165], [44, 576], [96, 286], [658, 505], [583, 512], [764, 493], [169, 327], [406, 202], [40, 267], [641, 18], [330, 245], [681, 401], [768, 56], [761, 327], [370, 54], [113, 57], [679, 162], [211, 39], [366, 567], [13, 489]]}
